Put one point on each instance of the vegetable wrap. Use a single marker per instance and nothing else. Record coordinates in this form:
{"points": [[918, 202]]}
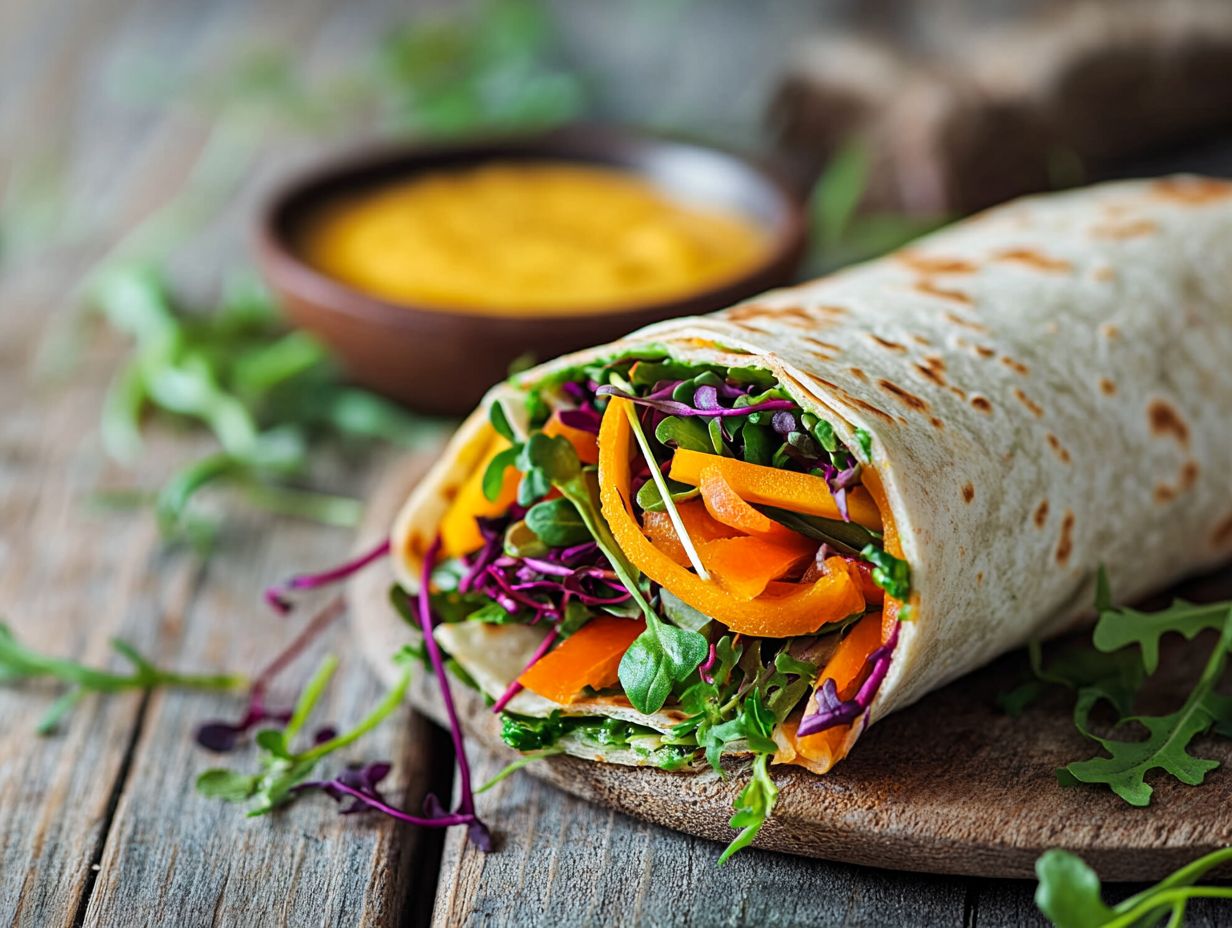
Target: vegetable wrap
{"points": [[757, 532]]}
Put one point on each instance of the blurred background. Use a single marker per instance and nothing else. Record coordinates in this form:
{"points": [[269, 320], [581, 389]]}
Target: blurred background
{"points": [[137, 138]]}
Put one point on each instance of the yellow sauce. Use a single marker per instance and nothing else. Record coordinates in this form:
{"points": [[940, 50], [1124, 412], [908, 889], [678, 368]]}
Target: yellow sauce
{"points": [[543, 236]]}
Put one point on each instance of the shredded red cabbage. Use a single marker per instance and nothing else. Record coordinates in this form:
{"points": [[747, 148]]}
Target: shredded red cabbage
{"points": [[277, 595], [465, 812], [708, 665], [832, 711]]}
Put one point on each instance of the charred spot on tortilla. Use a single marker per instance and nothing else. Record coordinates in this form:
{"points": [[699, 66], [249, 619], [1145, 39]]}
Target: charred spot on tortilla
{"points": [[1135, 228], [744, 311], [1222, 535], [909, 398], [886, 343], [1035, 259], [921, 340], [1192, 190], [1107, 386], [929, 374], [1034, 407], [1164, 493], [824, 346], [794, 315], [1109, 331], [982, 403], [968, 492], [1016, 366], [936, 264], [959, 392], [858, 374], [1104, 274], [1058, 448], [936, 422], [1189, 474], [929, 288], [984, 351], [966, 323], [1066, 546], [1041, 513], [849, 397], [1167, 421]]}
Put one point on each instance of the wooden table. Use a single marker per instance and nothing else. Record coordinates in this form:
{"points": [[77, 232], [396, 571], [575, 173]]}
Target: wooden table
{"points": [[99, 824]]}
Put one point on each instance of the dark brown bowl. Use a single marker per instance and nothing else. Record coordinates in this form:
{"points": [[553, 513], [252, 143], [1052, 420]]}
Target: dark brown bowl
{"points": [[442, 360]]}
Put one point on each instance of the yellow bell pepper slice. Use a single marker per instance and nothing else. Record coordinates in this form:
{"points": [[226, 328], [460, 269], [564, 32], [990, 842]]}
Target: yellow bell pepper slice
{"points": [[459, 531]]}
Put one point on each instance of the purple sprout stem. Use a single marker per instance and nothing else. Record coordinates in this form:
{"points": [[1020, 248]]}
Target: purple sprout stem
{"points": [[466, 802], [515, 687], [704, 670], [276, 595], [444, 821]]}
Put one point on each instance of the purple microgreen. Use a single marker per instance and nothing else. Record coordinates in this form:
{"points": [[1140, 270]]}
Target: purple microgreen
{"points": [[278, 595], [515, 687], [222, 736], [677, 408], [832, 711], [586, 419], [466, 801], [704, 670]]}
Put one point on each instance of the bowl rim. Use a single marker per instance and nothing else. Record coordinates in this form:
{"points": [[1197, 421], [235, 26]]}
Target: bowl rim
{"points": [[293, 273]]}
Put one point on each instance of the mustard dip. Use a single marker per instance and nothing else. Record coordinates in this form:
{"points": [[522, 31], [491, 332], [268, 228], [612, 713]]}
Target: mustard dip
{"points": [[536, 236]]}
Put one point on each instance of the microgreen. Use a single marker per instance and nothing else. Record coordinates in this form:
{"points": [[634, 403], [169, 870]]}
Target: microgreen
{"points": [[19, 663], [266, 395], [1069, 893], [890, 573]]}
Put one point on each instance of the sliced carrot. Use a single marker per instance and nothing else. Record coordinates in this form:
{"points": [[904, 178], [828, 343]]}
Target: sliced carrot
{"points": [[726, 506], [459, 531], [802, 610], [745, 566], [769, 486], [828, 747], [589, 657], [697, 522], [584, 443]]}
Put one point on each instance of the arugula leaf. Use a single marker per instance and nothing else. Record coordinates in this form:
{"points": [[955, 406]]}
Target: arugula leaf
{"points": [[1119, 628], [1166, 746]]}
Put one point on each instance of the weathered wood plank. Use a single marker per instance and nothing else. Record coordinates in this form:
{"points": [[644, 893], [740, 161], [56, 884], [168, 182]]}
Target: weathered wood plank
{"points": [[561, 861]]}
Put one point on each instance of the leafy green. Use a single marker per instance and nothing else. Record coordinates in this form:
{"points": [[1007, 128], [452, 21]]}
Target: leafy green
{"points": [[657, 659], [649, 498], [18, 662], [267, 396], [557, 523], [865, 441], [683, 432], [1114, 673], [1168, 738], [890, 573], [1069, 893], [849, 537], [281, 768]]}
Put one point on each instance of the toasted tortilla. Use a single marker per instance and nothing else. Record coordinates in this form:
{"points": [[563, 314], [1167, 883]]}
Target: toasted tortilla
{"points": [[1048, 389]]}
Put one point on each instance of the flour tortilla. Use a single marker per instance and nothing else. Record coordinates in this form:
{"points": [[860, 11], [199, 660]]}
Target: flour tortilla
{"points": [[1048, 387]]}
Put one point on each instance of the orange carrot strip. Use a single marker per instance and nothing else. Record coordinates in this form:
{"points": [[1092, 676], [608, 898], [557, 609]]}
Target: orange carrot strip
{"points": [[801, 611], [726, 506], [769, 486], [589, 657], [744, 566]]}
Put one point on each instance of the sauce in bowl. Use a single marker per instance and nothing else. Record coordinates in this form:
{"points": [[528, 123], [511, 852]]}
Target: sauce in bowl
{"points": [[550, 237]]}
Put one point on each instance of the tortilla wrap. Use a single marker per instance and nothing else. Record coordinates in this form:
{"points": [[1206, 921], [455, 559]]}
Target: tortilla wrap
{"points": [[1048, 389]]}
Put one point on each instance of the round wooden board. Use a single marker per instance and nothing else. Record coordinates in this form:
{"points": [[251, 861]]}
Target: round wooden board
{"points": [[950, 785]]}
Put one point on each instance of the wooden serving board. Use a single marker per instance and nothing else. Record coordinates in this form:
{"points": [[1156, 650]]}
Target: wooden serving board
{"points": [[950, 785]]}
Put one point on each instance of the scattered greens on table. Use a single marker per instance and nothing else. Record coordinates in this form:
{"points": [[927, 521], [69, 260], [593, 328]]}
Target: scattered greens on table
{"points": [[1112, 674], [266, 395]]}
